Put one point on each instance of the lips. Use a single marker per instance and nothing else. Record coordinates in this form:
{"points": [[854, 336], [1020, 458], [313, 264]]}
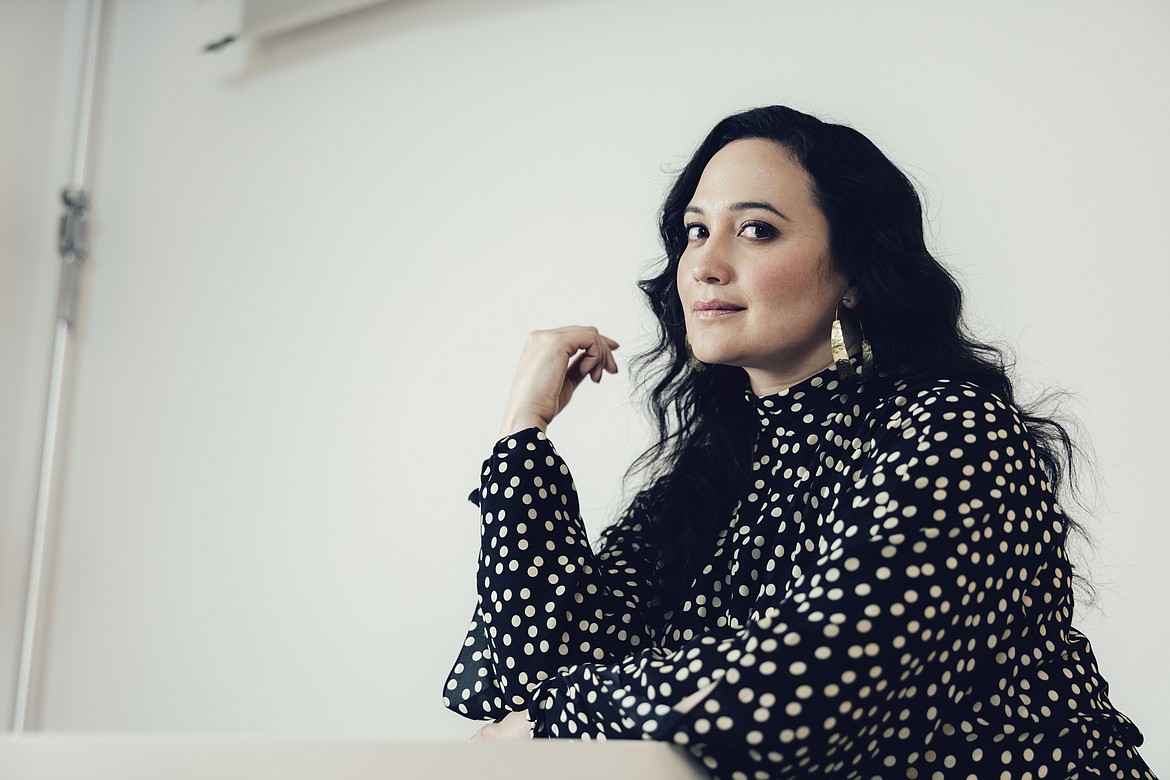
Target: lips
{"points": [[715, 308]]}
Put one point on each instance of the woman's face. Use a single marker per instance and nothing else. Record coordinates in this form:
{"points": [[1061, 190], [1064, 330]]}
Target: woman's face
{"points": [[757, 285]]}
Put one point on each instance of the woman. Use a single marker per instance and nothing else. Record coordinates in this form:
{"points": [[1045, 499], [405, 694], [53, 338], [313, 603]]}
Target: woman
{"points": [[849, 561]]}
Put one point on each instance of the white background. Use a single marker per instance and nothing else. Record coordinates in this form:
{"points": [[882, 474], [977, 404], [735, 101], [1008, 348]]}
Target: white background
{"points": [[314, 262]]}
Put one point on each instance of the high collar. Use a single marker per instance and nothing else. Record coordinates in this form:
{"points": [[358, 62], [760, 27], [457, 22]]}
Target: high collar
{"points": [[820, 393]]}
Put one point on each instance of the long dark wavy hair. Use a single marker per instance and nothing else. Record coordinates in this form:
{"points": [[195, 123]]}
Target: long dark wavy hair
{"points": [[910, 305]]}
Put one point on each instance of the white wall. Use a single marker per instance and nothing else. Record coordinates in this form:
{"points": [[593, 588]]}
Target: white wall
{"points": [[315, 261], [40, 45]]}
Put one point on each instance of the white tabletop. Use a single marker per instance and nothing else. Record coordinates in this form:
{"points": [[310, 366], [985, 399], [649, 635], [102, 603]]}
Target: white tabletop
{"points": [[56, 756]]}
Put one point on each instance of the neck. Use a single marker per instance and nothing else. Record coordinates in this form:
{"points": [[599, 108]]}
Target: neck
{"points": [[769, 383]]}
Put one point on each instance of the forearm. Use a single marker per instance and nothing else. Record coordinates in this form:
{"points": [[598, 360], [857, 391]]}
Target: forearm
{"points": [[545, 601]]}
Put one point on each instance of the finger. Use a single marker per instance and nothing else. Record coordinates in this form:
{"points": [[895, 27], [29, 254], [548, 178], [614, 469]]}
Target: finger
{"points": [[578, 336], [583, 336], [593, 353], [587, 363], [600, 357], [610, 362], [574, 373], [599, 369]]}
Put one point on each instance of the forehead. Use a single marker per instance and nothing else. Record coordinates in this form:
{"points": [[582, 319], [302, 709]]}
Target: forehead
{"points": [[753, 169]]}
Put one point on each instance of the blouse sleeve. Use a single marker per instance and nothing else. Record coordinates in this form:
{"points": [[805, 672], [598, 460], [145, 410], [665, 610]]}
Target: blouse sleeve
{"points": [[923, 579], [545, 599]]}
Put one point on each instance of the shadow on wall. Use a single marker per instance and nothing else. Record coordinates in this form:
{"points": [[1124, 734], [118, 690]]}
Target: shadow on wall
{"points": [[394, 17]]}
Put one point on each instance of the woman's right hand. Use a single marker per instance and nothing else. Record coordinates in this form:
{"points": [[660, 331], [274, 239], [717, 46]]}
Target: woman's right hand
{"points": [[553, 363]]}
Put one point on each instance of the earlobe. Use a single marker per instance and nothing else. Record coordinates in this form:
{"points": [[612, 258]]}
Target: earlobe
{"points": [[851, 297]]}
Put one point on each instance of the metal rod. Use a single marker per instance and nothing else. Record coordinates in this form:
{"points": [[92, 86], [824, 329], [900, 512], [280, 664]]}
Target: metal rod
{"points": [[40, 531], [88, 88], [72, 249]]}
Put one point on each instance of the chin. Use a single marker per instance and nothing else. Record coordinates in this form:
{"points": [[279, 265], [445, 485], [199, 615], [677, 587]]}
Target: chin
{"points": [[714, 358], [715, 350]]}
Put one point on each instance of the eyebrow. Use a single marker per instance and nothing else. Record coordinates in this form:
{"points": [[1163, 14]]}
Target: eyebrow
{"points": [[744, 205]]}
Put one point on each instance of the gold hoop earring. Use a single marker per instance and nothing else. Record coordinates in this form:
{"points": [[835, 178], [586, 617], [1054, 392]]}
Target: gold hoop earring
{"points": [[693, 361], [866, 353], [841, 357]]}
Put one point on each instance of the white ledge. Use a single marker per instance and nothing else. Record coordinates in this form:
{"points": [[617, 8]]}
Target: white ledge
{"points": [[57, 756]]}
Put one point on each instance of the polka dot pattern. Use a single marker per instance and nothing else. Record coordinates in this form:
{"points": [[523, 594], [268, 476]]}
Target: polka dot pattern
{"points": [[890, 598]]}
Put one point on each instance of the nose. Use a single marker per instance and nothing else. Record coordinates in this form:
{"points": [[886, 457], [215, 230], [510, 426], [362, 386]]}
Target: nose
{"points": [[709, 264]]}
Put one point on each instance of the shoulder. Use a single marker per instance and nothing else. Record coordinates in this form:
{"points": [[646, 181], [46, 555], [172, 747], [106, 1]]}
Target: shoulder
{"points": [[947, 450], [940, 420], [918, 406]]}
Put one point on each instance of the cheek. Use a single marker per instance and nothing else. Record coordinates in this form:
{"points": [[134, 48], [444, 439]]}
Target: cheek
{"points": [[681, 281], [680, 270], [778, 285], [784, 291]]}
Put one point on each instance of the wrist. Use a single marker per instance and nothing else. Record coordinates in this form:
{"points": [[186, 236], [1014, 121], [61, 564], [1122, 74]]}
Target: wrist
{"points": [[516, 423]]}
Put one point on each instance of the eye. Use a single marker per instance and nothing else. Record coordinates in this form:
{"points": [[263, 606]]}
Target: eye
{"points": [[757, 231], [696, 231]]}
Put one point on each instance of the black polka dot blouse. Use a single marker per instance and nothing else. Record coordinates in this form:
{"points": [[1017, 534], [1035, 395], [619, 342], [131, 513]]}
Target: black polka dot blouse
{"points": [[890, 598]]}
